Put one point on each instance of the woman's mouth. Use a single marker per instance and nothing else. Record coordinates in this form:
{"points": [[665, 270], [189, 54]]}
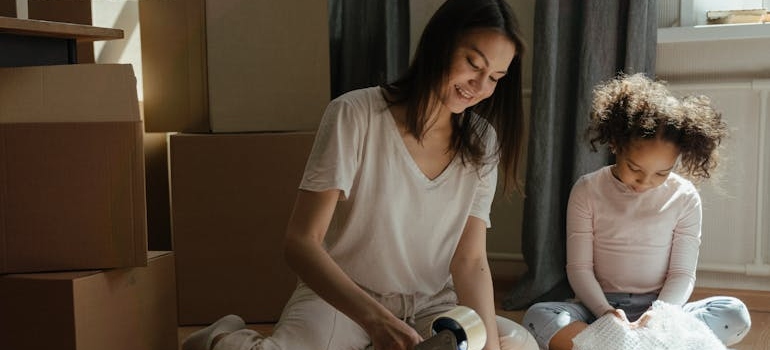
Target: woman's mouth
{"points": [[464, 93]]}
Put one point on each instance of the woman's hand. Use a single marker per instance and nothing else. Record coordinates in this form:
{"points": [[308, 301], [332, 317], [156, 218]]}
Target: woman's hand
{"points": [[392, 334]]}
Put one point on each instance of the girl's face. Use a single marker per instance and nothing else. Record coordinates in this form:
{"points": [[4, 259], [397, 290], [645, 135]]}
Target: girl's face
{"points": [[481, 59], [645, 163]]}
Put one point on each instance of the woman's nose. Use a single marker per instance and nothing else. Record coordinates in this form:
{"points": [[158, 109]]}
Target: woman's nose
{"points": [[482, 84], [476, 80]]}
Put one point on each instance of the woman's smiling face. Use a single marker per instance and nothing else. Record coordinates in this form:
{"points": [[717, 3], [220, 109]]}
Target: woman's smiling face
{"points": [[481, 59]]}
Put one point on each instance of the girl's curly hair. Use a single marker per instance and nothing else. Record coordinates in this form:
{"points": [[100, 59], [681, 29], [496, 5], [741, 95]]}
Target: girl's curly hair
{"points": [[635, 107]]}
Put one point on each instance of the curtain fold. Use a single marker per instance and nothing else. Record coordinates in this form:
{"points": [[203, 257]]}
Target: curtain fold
{"points": [[577, 45], [369, 42]]}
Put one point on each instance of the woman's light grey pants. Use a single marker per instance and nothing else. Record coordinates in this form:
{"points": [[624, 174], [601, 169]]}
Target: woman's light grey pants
{"points": [[308, 322]]}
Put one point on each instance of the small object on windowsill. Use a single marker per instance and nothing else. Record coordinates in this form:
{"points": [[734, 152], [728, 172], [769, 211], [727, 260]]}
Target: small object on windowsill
{"points": [[738, 16]]}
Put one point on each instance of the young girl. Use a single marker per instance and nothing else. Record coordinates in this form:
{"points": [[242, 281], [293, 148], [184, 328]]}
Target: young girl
{"points": [[633, 228], [389, 226]]}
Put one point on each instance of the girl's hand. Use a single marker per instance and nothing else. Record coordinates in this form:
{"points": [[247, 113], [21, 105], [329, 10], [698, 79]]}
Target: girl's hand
{"points": [[619, 313], [642, 321], [393, 334]]}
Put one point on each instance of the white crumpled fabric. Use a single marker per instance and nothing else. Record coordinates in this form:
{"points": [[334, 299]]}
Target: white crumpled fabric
{"points": [[668, 328]]}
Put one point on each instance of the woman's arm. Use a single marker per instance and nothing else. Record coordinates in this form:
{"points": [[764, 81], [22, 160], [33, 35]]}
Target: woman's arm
{"points": [[305, 254], [473, 279]]}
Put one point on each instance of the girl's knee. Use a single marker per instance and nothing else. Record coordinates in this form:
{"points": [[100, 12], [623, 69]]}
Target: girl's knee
{"points": [[727, 317], [548, 312], [544, 320], [539, 312]]}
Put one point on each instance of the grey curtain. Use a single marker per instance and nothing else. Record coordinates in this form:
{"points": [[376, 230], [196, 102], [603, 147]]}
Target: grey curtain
{"points": [[577, 44], [369, 42]]}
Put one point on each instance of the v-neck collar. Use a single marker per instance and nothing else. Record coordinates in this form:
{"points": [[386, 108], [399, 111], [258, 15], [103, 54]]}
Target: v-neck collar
{"points": [[409, 159]]}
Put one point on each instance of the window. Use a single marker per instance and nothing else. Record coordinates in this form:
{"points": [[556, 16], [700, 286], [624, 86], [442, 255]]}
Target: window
{"points": [[686, 21], [689, 13]]}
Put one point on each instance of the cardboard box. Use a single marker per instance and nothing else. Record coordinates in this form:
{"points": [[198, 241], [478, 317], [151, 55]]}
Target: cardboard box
{"points": [[231, 197], [68, 93], [268, 64], [72, 194], [119, 309], [174, 66], [234, 65]]}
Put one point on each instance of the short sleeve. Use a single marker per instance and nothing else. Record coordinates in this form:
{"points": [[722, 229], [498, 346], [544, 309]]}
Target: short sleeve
{"points": [[335, 156], [485, 191]]}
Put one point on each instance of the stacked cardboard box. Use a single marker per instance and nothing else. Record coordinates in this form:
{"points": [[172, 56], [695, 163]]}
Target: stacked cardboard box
{"points": [[116, 309], [241, 86], [234, 65], [232, 195], [73, 243], [72, 175]]}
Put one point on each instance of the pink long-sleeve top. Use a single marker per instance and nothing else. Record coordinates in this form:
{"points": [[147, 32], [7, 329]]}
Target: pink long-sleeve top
{"points": [[619, 241]]}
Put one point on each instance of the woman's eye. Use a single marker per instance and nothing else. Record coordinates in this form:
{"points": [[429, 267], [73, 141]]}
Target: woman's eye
{"points": [[471, 63], [493, 79]]}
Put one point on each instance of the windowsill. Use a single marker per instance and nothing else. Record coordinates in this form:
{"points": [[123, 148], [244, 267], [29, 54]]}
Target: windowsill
{"points": [[714, 32]]}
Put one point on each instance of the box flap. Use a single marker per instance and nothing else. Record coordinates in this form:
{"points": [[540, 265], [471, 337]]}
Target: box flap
{"points": [[68, 93]]}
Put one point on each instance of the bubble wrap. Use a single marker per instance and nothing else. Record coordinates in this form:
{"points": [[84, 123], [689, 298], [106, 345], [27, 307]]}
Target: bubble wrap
{"points": [[668, 328]]}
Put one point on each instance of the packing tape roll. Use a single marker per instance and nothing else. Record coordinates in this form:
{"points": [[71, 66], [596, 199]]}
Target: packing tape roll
{"points": [[465, 323]]}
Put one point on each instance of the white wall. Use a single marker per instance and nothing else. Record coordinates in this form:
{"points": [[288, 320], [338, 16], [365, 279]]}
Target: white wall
{"points": [[736, 207], [119, 14], [730, 64]]}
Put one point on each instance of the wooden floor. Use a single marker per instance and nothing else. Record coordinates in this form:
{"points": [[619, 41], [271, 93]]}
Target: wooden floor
{"points": [[758, 303]]}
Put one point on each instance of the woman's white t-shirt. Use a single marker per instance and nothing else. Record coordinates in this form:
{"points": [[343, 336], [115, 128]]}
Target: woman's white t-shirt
{"points": [[394, 229]]}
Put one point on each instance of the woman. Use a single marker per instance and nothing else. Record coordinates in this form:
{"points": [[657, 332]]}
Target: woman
{"points": [[389, 225]]}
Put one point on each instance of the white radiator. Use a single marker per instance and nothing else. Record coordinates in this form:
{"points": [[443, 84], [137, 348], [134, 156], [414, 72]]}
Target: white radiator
{"points": [[736, 207]]}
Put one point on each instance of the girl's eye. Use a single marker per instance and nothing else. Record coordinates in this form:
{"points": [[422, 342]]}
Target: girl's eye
{"points": [[636, 170], [493, 79], [662, 175]]}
